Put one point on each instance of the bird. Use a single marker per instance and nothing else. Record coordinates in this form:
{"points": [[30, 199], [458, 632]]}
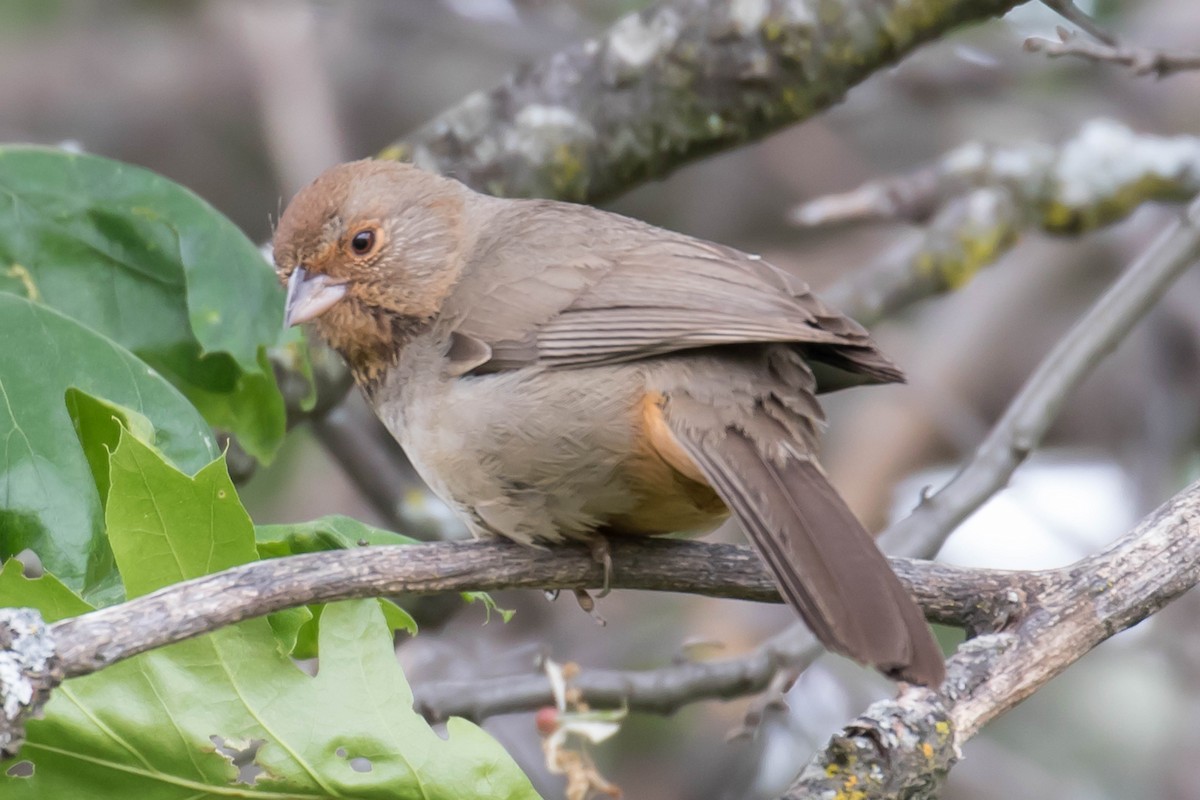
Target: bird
{"points": [[560, 373]]}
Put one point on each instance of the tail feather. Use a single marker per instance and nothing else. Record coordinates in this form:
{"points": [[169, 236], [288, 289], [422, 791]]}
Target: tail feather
{"points": [[825, 563]]}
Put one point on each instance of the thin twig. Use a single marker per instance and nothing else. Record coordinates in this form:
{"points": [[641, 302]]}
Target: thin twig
{"points": [[657, 691], [1042, 397], [1142, 60]]}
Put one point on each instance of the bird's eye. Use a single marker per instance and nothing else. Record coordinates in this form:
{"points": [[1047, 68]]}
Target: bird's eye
{"points": [[363, 242]]}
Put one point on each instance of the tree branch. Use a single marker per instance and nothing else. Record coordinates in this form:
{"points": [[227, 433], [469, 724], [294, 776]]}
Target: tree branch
{"points": [[92, 641], [1141, 60], [671, 84], [1095, 178], [82, 645], [656, 691]]}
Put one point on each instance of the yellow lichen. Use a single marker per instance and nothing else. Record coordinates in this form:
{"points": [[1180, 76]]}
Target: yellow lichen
{"points": [[396, 152], [567, 168], [23, 275], [1058, 216]]}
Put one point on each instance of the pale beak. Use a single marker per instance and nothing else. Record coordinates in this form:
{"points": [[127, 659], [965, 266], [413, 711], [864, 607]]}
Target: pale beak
{"points": [[309, 296]]}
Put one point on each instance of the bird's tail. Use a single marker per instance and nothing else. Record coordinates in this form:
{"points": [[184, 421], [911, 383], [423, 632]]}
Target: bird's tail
{"points": [[824, 562]]}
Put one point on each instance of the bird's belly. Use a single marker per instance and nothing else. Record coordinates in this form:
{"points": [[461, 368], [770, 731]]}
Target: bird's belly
{"points": [[671, 494], [547, 456]]}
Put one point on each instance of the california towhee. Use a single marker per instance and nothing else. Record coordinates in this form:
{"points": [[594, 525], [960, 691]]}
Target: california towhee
{"points": [[556, 372]]}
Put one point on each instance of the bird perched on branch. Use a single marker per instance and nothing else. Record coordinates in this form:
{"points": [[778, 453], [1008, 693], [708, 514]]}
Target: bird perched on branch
{"points": [[556, 372]]}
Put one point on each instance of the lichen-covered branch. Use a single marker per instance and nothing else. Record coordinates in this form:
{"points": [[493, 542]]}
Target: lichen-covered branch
{"points": [[29, 671], [1098, 177], [975, 202], [902, 748], [967, 234], [671, 84]]}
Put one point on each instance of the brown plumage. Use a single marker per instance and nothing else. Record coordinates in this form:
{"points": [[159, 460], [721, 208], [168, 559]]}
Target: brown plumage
{"points": [[558, 372]]}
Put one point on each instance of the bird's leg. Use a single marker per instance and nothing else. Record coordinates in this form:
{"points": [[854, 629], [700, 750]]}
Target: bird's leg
{"points": [[602, 555]]}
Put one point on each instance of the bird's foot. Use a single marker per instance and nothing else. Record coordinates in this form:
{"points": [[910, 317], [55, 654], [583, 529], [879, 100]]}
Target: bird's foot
{"points": [[602, 555], [588, 604]]}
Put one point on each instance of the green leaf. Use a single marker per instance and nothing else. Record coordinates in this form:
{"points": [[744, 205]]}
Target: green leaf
{"points": [[150, 727], [287, 626], [51, 503], [165, 527], [489, 605], [98, 425], [47, 594], [153, 267], [158, 532], [397, 618], [334, 532]]}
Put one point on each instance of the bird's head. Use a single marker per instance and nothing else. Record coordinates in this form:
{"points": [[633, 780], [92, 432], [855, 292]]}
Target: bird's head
{"points": [[368, 252]]}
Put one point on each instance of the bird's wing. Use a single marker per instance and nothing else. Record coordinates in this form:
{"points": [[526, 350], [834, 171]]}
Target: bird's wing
{"points": [[609, 289]]}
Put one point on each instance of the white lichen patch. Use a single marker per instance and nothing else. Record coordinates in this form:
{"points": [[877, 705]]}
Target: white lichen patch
{"points": [[747, 15], [28, 653], [635, 42], [540, 130], [1107, 156], [798, 13], [1029, 165]]}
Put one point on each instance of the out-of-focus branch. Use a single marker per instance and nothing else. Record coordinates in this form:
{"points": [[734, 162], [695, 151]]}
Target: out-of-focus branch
{"points": [[1033, 410], [963, 237], [1096, 178], [1141, 60], [655, 691], [902, 748], [976, 201], [668, 85]]}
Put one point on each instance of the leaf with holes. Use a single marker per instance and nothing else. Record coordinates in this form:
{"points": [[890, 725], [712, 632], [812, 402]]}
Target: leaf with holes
{"points": [[153, 267], [227, 714]]}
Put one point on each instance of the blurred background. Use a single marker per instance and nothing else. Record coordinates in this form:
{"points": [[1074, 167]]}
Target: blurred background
{"points": [[245, 102]]}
